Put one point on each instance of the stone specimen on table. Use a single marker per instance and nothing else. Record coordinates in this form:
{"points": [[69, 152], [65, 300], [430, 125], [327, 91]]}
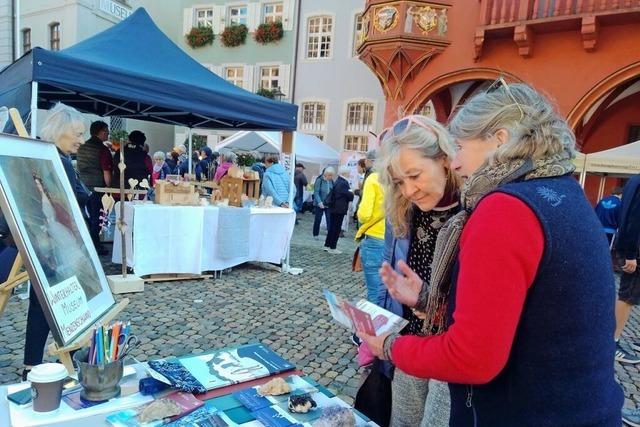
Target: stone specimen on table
{"points": [[336, 416], [301, 403], [275, 387], [158, 410], [268, 202]]}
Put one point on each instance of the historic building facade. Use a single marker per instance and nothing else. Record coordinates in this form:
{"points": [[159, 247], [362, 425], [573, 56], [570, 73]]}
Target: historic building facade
{"points": [[430, 56]]}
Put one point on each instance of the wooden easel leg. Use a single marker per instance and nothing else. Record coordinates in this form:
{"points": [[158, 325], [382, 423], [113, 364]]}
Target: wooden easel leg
{"points": [[15, 278], [65, 359]]}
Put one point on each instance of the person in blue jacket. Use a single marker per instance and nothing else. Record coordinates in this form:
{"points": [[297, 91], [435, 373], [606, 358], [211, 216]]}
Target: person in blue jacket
{"points": [[608, 212], [276, 182]]}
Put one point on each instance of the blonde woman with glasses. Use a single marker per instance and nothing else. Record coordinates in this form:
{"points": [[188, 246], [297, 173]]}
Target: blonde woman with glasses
{"points": [[420, 196], [525, 335]]}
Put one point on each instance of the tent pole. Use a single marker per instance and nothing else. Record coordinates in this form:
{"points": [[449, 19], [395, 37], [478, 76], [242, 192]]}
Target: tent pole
{"points": [[603, 178], [583, 178], [34, 108], [288, 147], [190, 149]]}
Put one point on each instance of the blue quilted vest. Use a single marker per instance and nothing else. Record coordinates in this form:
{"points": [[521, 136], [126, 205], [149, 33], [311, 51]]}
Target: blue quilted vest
{"points": [[561, 368]]}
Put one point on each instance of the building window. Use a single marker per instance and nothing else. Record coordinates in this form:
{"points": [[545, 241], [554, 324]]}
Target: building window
{"points": [[273, 12], [235, 75], [359, 117], [270, 77], [238, 15], [357, 34], [54, 36], [313, 116], [319, 34], [26, 40], [356, 143], [204, 18]]}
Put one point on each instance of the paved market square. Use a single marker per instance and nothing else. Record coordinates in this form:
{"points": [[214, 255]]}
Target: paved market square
{"points": [[251, 303]]}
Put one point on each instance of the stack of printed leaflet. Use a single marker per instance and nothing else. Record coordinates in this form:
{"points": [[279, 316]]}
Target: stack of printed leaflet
{"points": [[363, 315], [219, 368]]}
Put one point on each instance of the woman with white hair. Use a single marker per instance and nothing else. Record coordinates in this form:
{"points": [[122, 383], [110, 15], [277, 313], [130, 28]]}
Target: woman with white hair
{"points": [[338, 204], [65, 127], [160, 167], [227, 159], [526, 337]]}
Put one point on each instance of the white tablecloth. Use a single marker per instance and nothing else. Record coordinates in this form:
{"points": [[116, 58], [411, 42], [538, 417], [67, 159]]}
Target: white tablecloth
{"points": [[183, 239]]}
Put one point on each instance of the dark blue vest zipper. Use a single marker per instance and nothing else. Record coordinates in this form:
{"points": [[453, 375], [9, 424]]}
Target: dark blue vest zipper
{"points": [[470, 405]]}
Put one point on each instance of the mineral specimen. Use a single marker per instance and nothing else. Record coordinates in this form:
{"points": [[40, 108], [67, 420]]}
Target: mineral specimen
{"points": [[336, 416], [275, 387], [301, 403]]}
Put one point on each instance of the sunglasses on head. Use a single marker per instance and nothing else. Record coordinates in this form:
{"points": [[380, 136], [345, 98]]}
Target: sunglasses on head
{"points": [[401, 126], [500, 83]]}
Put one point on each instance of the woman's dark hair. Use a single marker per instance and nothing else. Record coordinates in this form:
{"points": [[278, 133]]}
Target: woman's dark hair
{"points": [[362, 163], [97, 127], [137, 138]]}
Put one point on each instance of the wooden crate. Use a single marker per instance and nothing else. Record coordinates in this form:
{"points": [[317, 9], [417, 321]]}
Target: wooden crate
{"points": [[232, 189], [168, 193]]}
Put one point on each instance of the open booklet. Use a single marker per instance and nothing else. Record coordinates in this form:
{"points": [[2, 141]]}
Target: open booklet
{"points": [[363, 315]]}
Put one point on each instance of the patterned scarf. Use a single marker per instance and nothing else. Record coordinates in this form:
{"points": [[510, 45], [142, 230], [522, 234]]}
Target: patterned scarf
{"points": [[434, 297]]}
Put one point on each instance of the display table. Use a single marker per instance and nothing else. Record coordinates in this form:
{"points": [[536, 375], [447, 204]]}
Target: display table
{"points": [[194, 239]]}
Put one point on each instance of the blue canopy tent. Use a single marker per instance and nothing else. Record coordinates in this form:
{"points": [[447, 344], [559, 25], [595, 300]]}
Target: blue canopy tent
{"points": [[134, 70]]}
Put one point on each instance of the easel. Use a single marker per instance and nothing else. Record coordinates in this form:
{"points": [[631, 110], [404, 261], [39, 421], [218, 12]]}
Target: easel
{"points": [[15, 278]]}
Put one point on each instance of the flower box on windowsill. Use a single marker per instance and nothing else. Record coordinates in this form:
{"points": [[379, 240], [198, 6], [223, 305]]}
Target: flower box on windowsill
{"points": [[234, 35], [200, 36], [269, 32]]}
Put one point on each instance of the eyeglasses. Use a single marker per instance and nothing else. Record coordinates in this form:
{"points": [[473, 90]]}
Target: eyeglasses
{"points": [[401, 126], [501, 83]]}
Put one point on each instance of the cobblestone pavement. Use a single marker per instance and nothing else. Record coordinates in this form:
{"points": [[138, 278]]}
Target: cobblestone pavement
{"points": [[251, 303]]}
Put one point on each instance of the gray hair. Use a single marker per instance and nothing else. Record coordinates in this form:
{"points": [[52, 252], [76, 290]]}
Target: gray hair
{"points": [[62, 119], [344, 170], [535, 128], [181, 149], [228, 155], [433, 142], [159, 155], [330, 170]]}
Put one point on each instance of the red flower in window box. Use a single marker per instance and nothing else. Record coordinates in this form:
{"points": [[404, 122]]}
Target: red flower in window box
{"points": [[200, 36], [269, 32], [234, 35]]}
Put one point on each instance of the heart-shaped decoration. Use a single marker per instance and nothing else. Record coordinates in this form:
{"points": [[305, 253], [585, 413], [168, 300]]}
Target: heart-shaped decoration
{"points": [[107, 202], [133, 183], [144, 183]]}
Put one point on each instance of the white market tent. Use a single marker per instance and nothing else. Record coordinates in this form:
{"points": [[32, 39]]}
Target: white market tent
{"points": [[307, 148], [618, 162]]}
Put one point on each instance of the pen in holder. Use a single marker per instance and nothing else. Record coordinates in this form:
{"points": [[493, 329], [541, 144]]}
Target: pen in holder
{"points": [[100, 366]]}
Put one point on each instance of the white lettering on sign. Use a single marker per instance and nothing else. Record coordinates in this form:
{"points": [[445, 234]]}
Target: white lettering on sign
{"points": [[115, 9], [69, 306]]}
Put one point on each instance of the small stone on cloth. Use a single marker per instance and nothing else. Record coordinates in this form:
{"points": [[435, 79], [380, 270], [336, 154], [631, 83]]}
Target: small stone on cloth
{"points": [[301, 403], [275, 387], [336, 416], [158, 410]]}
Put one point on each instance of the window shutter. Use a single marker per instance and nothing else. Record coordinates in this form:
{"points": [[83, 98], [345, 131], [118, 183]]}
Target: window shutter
{"points": [[217, 70], [187, 21], [253, 16], [288, 12], [249, 75], [219, 19], [285, 71]]}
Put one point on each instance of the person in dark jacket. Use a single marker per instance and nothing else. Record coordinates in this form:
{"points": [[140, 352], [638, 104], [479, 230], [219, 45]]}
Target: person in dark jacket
{"points": [[524, 338], [135, 158], [64, 127], [300, 182], [208, 164], [95, 164], [321, 189], [628, 241], [608, 211], [338, 203], [172, 162]]}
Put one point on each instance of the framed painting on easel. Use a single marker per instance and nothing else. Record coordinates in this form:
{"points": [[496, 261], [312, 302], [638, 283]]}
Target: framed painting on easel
{"points": [[50, 232]]}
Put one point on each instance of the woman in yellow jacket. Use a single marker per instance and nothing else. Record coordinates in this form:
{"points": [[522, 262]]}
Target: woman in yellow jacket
{"points": [[371, 233]]}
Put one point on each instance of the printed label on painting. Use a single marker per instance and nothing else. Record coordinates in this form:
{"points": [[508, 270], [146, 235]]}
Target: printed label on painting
{"points": [[69, 306]]}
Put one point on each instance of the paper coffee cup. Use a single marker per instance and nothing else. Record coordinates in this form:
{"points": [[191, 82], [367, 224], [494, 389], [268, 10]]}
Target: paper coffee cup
{"points": [[46, 386]]}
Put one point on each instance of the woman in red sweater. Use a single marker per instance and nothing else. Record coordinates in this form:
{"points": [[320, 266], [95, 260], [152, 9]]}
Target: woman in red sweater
{"points": [[526, 336]]}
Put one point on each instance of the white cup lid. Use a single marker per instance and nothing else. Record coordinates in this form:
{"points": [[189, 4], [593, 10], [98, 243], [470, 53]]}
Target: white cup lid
{"points": [[47, 373]]}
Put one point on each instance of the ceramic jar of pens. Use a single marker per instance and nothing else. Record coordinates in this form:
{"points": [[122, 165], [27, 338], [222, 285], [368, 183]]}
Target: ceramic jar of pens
{"points": [[100, 365]]}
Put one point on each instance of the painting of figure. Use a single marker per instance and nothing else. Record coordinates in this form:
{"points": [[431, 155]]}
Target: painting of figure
{"points": [[50, 230]]}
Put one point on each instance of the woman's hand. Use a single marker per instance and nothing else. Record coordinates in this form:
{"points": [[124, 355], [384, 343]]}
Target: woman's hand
{"points": [[404, 287], [376, 344], [630, 266]]}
